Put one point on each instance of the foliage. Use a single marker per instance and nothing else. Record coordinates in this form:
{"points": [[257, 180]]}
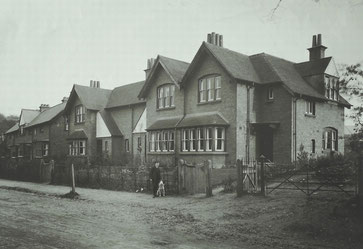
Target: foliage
{"points": [[229, 185], [302, 156], [336, 168], [351, 87], [6, 122]]}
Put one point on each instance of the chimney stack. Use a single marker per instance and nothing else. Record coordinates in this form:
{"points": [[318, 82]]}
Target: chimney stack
{"points": [[317, 50], [149, 65], [215, 39], [43, 107], [94, 84], [65, 99]]}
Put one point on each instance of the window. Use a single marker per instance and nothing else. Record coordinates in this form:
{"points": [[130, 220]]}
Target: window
{"points": [[66, 123], [219, 144], [203, 139], [20, 151], [270, 94], [127, 145], [139, 142], [161, 141], [310, 107], [330, 141], [331, 87], [45, 149], [41, 130], [80, 114], [35, 131], [21, 130], [165, 96], [30, 132], [312, 145], [106, 146], [77, 148], [209, 89]]}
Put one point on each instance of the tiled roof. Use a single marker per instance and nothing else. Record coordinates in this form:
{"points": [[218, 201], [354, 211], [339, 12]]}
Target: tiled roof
{"points": [[12, 129], [48, 114], [166, 123], [175, 68], [27, 116], [77, 135], [92, 98], [201, 119], [274, 69], [125, 95], [313, 67], [110, 123], [237, 64]]}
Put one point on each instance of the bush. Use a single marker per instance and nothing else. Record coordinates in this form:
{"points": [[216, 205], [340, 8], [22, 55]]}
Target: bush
{"points": [[336, 168]]}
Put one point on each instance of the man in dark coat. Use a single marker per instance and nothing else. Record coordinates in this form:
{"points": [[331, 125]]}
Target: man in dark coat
{"points": [[155, 177]]}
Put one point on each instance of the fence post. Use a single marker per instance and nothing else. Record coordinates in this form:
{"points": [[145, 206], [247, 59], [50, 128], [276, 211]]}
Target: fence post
{"points": [[208, 184], [239, 178], [263, 179], [360, 178], [73, 182]]}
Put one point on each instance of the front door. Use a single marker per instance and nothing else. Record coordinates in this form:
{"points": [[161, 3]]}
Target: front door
{"points": [[265, 142]]}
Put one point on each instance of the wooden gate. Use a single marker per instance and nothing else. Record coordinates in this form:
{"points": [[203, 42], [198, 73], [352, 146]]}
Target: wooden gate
{"points": [[192, 178]]}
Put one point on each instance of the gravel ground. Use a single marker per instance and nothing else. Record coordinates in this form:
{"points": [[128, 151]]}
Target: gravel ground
{"points": [[35, 216]]}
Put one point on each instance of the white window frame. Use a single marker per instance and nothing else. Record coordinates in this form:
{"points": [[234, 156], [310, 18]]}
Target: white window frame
{"points": [[192, 140], [270, 93], [171, 141], [222, 138], [80, 112], [202, 90], [165, 96], [218, 87], [208, 139], [185, 139], [45, 149], [152, 142], [127, 145], [201, 137], [310, 107]]}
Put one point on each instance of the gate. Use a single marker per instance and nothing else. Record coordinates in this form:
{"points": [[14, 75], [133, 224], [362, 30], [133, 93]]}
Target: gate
{"points": [[191, 178]]}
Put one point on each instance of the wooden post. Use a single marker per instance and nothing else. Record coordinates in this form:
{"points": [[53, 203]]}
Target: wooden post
{"points": [[73, 182], [360, 178], [208, 184], [263, 179], [239, 178]]}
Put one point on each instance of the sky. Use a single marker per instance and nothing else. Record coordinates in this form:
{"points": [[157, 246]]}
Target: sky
{"points": [[47, 46]]}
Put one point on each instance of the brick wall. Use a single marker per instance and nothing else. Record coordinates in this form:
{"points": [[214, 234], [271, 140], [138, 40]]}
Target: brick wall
{"points": [[58, 146]]}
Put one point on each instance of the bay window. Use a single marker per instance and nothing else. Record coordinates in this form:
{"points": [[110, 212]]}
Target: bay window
{"points": [[77, 148], [203, 139], [161, 141]]}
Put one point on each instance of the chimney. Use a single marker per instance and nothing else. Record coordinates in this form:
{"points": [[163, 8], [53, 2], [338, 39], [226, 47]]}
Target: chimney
{"points": [[94, 84], [149, 65], [65, 99], [43, 107], [215, 39], [317, 50]]}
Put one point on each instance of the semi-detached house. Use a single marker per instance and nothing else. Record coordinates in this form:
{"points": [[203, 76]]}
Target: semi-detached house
{"points": [[225, 105]]}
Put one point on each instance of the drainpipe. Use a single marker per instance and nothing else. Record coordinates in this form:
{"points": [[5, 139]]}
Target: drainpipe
{"points": [[294, 128], [248, 124]]}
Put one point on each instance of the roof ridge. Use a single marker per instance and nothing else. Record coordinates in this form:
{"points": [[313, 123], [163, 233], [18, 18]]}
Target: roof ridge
{"points": [[299, 63], [169, 58], [233, 51], [93, 87], [129, 84]]}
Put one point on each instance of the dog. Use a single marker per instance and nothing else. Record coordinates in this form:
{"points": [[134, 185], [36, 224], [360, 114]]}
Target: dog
{"points": [[161, 189]]}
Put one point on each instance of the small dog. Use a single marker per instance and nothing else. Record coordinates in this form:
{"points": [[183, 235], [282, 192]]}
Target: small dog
{"points": [[161, 189]]}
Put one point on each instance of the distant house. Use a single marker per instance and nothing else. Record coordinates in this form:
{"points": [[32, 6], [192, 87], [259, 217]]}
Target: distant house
{"points": [[101, 122], [225, 105]]}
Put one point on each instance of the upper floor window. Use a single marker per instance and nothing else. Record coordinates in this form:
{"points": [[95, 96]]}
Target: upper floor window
{"points": [[80, 114], [66, 123], [270, 93], [310, 107], [165, 96], [331, 87], [209, 89]]}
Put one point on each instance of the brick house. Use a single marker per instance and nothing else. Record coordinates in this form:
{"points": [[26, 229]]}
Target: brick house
{"points": [[225, 105], [100, 122], [48, 132]]}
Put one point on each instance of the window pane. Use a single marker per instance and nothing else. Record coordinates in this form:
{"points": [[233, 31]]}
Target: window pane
{"points": [[167, 96], [210, 87], [218, 86], [172, 89]]}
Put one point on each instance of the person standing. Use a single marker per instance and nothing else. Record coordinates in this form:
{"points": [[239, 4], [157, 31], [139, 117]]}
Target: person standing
{"points": [[155, 177]]}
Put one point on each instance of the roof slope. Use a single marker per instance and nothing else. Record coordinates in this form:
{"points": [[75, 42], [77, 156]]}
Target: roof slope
{"points": [[48, 114], [274, 69], [238, 65], [174, 68], [110, 123], [315, 67], [12, 129], [92, 98], [125, 95], [27, 116]]}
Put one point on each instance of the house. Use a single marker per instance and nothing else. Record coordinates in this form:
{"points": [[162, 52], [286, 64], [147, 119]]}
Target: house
{"points": [[225, 105], [19, 140], [100, 123], [49, 132]]}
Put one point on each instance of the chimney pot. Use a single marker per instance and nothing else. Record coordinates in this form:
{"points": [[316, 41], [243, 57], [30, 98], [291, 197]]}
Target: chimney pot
{"points": [[209, 38], [221, 40], [314, 41], [319, 39]]}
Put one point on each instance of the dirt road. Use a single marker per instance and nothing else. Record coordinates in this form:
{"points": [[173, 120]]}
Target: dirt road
{"points": [[34, 216]]}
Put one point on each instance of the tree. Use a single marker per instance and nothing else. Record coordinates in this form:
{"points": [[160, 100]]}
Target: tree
{"points": [[351, 87], [6, 122]]}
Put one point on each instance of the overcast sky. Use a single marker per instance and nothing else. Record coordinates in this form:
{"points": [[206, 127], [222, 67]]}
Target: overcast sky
{"points": [[47, 46]]}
